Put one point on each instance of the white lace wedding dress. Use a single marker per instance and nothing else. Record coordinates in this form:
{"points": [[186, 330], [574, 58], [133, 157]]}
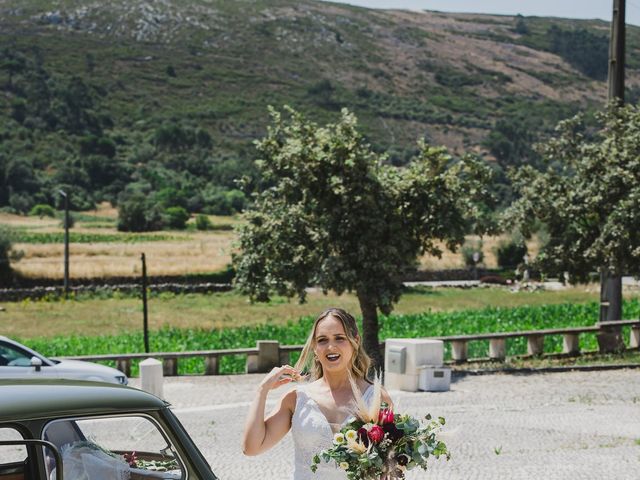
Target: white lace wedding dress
{"points": [[312, 433]]}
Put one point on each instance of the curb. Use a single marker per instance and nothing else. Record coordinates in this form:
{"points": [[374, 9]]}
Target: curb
{"points": [[528, 371]]}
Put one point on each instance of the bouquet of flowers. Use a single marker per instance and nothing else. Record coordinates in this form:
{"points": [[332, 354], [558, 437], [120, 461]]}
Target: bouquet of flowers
{"points": [[380, 444]]}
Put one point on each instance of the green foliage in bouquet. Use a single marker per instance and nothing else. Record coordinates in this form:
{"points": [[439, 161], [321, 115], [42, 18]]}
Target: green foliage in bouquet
{"points": [[385, 449]]}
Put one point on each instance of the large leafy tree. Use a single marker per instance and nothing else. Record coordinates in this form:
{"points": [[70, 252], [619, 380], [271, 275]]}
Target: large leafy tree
{"points": [[330, 213], [590, 201]]}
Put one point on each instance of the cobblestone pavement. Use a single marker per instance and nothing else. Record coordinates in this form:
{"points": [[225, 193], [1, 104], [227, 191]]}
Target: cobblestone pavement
{"points": [[574, 425]]}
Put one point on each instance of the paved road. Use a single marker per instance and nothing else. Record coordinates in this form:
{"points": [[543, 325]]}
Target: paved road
{"points": [[576, 425]]}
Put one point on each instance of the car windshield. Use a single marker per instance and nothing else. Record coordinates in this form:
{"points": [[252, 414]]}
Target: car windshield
{"points": [[13, 356]]}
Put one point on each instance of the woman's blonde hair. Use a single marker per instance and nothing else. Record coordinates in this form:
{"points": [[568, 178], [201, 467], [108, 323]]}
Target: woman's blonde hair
{"points": [[360, 361]]}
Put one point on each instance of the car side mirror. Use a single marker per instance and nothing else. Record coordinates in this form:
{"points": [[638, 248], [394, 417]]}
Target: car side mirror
{"points": [[36, 363]]}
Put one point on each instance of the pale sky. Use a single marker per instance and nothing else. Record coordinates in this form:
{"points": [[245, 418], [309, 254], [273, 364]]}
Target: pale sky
{"points": [[542, 8]]}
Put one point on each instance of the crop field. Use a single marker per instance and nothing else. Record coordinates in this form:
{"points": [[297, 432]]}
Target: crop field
{"points": [[115, 313], [97, 249], [430, 323]]}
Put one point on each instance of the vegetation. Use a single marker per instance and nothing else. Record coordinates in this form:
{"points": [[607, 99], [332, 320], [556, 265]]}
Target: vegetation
{"points": [[102, 112], [511, 253], [590, 202], [329, 215], [6, 272], [416, 325]]}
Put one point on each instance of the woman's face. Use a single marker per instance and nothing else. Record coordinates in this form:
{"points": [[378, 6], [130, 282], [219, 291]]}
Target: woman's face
{"points": [[333, 349]]}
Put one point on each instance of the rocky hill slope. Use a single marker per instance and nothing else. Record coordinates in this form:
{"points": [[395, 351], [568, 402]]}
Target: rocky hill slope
{"points": [[172, 92]]}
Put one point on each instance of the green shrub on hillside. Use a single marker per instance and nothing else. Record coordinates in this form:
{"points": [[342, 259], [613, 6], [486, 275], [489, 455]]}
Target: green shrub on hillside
{"points": [[42, 210], [137, 214], [203, 222], [6, 272], [176, 217]]}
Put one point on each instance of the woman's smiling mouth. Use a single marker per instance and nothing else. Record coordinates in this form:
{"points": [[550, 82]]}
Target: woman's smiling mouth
{"points": [[332, 357]]}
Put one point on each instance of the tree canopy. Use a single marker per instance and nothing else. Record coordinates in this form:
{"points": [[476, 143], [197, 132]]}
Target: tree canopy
{"points": [[330, 213], [590, 201]]}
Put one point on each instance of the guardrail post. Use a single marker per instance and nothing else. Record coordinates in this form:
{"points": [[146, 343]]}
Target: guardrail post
{"points": [[570, 343], [170, 367], [268, 357], [634, 339], [497, 349], [211, 365], [459, 351], [124, 365], [535, 345], [285, 357]]}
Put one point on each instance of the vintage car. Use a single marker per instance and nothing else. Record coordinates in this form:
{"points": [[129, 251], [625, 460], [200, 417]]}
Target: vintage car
{"points": [[72, 429]]}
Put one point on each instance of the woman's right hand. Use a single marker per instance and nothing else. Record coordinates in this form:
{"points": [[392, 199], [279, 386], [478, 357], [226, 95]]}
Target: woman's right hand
{"points": [[279, 376]]}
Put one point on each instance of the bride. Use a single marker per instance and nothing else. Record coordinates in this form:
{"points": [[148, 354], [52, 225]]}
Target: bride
{"points": [[314, 410]]}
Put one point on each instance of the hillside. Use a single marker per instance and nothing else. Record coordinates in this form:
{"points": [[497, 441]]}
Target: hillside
{"points": [[167, 95]]}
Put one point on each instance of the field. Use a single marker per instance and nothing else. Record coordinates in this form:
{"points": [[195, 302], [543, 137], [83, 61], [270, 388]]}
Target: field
{"points": [[294, 331], [116, 314], [97, 249]]}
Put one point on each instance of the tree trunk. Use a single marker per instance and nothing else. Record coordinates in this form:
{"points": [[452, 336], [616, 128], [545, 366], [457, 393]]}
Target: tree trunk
{"points": [[610, 339], [370, 330], [610, 296]]}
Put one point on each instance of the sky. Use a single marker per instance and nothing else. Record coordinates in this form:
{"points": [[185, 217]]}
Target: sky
{"points": [[543, 8]]}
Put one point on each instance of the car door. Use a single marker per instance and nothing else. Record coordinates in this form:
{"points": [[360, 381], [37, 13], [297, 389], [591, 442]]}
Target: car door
{"points": [[15, 362]]}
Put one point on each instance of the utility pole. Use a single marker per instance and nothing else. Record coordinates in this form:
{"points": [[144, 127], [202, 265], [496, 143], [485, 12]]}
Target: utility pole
{"points": [[66, 242], [611, 285], [145, 309]]}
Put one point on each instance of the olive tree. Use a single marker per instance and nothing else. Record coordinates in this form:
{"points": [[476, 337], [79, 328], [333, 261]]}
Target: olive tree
{"points": [[329, 213], [589, 201]]}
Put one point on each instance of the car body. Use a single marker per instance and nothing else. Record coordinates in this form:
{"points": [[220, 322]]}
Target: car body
{"points": [[94, 431], [19, 361]]}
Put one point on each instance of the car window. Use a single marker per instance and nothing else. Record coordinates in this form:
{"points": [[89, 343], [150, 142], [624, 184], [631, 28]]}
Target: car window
{"points": [[10, 454], [13, 357], [114, 448]]}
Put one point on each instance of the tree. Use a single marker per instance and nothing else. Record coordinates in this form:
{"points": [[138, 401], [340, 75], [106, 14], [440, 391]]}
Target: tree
{"points": [[590, 201], [6, 272], [138, 213], [330, 214], [177, 217]]}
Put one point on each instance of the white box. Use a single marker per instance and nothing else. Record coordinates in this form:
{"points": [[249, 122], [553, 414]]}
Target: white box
{"points": [[434, 379], [398, 381], [419, 351]]}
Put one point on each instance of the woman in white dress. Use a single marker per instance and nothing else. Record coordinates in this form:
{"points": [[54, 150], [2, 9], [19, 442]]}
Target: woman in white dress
{"points": [[315, 410]]}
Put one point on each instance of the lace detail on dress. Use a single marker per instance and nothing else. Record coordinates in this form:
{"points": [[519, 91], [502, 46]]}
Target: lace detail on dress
{"points": [[311, 433]]}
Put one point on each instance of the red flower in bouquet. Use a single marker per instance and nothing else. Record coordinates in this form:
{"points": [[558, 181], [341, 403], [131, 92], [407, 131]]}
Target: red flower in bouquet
{"points": [[363, 436], [376, 434], [385, 416]]}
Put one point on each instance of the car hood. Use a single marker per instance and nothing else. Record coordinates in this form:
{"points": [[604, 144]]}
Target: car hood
{"points": [[89, 369]]}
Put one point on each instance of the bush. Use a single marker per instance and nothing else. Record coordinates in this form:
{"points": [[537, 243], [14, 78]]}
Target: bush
{"points": [[203, 222], [138, 214], [493, 279], [510, 254], [42, 210], [72, 221], [468, 249], [6, 272], [176, 217], [225, 202]]}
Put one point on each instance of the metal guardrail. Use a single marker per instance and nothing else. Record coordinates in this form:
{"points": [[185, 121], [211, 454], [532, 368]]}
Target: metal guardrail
{"points": [[268, 354]]}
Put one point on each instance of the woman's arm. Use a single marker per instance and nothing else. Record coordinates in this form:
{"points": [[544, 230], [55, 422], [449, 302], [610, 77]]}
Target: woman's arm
{"points": [[261, 434]]}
